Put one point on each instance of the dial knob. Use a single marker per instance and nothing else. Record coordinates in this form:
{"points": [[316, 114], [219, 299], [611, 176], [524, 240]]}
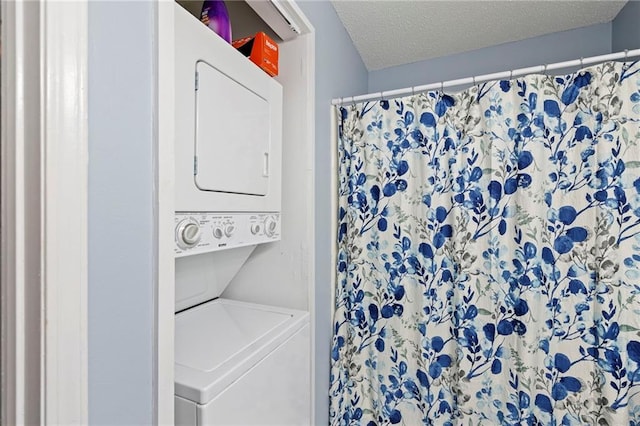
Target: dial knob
{"points": [[217, 232], [228, 230], [255, 228], [188, 234], [191, 233], [270, 226]]}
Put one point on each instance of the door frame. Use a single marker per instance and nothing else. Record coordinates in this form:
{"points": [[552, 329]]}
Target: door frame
{"points": [[164, 291], [43, 213]]}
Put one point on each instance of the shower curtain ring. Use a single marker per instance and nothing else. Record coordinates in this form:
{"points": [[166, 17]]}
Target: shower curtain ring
{"points": [[626, 54], [442, 88], [581, 62], [545, 69], [381, 96], [511, 75], [474, 80]]}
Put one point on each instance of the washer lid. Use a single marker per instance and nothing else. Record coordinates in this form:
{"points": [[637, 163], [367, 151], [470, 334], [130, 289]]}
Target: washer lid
{"points": [[208, 336], [221, 340]]}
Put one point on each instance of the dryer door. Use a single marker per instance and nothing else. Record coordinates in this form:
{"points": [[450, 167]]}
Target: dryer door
{"points": [[233, 135]]}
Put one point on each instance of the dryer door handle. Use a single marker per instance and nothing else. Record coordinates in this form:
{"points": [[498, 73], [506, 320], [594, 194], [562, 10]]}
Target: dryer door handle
{"points": [[265, 166]]}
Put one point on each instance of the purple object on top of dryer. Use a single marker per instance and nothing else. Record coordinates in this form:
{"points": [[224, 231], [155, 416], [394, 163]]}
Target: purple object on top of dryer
{"points": [[215, 16]]}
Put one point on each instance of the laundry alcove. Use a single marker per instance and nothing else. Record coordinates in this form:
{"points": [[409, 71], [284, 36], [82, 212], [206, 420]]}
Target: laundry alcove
{"points": [[249, 308]]}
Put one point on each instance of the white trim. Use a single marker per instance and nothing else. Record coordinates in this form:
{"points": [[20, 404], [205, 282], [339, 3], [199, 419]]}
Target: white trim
{"points": [[283, 16], [295, 15], [488, 77], [164, 213], [16, 99], [64, 210], [44, 213], [310, 68]]}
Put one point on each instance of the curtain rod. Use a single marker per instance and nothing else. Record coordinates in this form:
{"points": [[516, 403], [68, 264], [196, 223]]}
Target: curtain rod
{"points": [[387, 94]]}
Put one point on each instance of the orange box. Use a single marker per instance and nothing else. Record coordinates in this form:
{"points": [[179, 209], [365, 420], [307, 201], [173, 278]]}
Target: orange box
{"points": [[262, 51]]}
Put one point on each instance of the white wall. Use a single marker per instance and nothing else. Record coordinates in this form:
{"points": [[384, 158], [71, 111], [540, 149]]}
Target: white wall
{"points": [[121, 236]]}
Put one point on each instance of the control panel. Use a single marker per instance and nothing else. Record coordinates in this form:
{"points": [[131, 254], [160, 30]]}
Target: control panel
{"points": [[200, 232]]}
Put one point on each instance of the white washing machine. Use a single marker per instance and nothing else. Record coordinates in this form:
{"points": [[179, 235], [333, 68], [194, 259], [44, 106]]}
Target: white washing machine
{"points": [[241, 364], [236, 363]]}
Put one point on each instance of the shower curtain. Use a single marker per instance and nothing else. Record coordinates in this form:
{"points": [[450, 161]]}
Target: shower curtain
{"points": [[489, 255]]}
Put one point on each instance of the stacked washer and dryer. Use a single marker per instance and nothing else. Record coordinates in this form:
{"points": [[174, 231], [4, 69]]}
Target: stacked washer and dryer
{"points": [[236, 363]]}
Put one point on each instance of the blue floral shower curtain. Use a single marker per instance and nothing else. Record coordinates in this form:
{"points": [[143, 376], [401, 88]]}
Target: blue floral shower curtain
{"points": [[489, 255]]}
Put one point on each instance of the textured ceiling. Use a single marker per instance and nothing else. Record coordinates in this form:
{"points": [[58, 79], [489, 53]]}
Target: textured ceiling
{"points": [[395, 32]]}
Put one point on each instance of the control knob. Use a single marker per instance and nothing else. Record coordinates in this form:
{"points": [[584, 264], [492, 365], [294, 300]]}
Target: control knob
{"points": [[228, 230], [217, 232], [270, 226], [188, 233], [255, 228]]}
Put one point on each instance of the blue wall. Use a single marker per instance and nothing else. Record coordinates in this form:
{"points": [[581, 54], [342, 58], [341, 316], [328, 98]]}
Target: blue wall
{"points": [[626, 28], [339, 70], [120, 212], [557, 47]]}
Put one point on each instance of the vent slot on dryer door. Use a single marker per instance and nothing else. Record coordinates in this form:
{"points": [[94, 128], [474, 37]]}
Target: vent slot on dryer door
{"points": [[233, 135]]}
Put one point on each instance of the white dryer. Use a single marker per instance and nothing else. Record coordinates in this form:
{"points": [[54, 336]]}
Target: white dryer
{"points": [[228, 144], [228, 126]]}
